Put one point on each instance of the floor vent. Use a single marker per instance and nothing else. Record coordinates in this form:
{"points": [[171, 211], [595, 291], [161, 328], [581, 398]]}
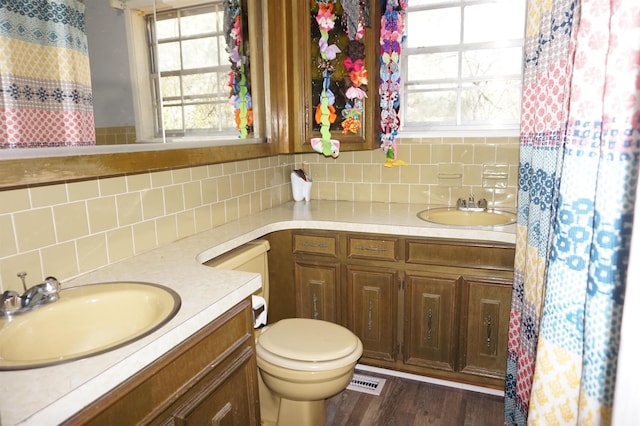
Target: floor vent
{"points": [[366, 384]]}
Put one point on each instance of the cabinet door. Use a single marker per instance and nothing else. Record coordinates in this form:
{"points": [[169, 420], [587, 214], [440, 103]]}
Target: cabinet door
{"points": [[430, 320], [372, 298], [295, 89], [225, 399], [487, 326], [316, 286]]}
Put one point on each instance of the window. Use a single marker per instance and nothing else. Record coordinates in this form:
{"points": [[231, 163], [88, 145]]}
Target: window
{"points": [[182, 72], [463, 65], [191, 76]]}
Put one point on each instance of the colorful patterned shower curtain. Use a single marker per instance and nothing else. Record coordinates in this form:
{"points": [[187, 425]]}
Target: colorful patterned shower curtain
{"points": [[580, 144], [45, 82]]}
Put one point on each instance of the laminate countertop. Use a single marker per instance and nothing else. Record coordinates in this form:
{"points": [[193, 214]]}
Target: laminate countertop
{"points": [[50, 395]]}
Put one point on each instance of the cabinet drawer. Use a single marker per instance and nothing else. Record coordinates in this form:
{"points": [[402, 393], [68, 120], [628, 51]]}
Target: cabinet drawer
{"points": [[372, 248], [468, 254], [315, 244]]}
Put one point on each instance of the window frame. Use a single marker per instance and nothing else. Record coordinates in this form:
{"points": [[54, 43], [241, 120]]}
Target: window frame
{"points": [[457, 129]]}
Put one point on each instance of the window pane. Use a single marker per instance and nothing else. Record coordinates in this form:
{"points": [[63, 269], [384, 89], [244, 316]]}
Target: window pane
{"points": [[433, 27], [170, 86], [494, 21], [172, 118], [169, 56], [491, 104], [201, 23], [492, 62], [432, 66], [437, 107], [167, 26], [200, 116], [200, 83], [200, 53]]}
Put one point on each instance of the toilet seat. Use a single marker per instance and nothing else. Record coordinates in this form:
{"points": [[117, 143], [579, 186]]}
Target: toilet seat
{"points": [[308, 345]]}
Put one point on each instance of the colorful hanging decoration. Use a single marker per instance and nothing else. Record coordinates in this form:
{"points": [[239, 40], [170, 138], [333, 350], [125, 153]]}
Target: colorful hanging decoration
{"points": [[391, 39], [239, 84], [325, 111], [355, 19]]}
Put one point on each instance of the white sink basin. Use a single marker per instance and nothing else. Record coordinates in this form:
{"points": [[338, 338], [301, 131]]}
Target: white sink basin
{"points": [[453, 216], [85, 321]]}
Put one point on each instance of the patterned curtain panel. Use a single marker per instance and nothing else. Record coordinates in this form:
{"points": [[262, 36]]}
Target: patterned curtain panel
{"points": [[568, 298], [45, 82], [545, 110]]}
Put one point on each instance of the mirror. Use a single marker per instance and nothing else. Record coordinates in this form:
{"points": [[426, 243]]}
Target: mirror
{"points": [[113, 107], [109, 59]]}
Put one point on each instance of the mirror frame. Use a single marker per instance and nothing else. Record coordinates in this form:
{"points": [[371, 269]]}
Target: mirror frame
{"points": [[22, 172]]}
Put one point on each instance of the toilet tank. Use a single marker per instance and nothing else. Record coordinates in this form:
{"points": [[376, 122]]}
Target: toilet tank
{"points": [[251, 257]]}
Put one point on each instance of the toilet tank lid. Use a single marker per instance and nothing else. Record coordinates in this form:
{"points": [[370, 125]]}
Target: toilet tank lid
{"points": [[240, 255], [309, 340]]}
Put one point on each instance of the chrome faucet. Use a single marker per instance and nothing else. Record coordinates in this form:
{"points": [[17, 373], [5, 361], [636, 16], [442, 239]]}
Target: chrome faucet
{"points": [[470, 204], [12, 303]]}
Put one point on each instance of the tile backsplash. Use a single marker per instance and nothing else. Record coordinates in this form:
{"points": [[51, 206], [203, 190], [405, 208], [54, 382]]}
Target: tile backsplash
{"points": [[68, 229], [361, 175]]}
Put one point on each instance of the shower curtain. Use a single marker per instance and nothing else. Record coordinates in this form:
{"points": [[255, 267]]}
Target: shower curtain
{"points": [[45, 83], [580, 143]]}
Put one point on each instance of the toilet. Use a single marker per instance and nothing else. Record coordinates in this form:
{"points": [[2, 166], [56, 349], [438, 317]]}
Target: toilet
{"points": [[301, 362]]}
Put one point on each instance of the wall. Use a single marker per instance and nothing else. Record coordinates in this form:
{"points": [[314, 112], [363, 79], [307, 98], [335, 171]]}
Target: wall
{"points": [[67, 229], [361, 176]]}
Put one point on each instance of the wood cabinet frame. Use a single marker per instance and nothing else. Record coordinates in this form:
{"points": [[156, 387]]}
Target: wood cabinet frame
{"points": [[445, 271]]}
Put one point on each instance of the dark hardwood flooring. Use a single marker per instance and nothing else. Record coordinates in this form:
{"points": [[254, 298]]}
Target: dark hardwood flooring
{"points": [[405, 402]]}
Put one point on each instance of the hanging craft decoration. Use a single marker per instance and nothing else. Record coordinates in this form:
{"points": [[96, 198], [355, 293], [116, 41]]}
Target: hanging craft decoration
{"points": [[325, 111], [391, 39], [355, 19], [239, 84]]}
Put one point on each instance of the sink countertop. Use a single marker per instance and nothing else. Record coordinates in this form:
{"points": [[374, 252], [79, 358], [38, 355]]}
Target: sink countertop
{"points": [[50, 395]]}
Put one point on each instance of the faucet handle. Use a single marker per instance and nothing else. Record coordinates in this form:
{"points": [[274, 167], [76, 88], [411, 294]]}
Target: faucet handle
{"points": [[10, 302], [50, 289], [51, 285]]}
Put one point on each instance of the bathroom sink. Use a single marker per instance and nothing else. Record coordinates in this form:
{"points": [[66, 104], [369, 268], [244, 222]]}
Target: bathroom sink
{"points": [[85, 321], [454, 216]]}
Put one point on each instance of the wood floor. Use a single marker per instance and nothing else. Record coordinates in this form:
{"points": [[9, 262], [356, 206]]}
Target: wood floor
{"points": [[406, 402]]}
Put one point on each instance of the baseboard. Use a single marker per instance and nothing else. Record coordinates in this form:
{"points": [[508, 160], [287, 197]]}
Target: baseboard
{"points": [[419, 378]]}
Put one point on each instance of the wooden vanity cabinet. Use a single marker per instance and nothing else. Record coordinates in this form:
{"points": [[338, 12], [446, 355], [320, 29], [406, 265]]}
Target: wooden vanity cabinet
{"points": [[460, 290], [435, 307], [211, 378]]}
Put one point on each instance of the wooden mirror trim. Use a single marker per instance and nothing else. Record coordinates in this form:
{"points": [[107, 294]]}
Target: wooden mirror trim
{"points": [[24, 172]]}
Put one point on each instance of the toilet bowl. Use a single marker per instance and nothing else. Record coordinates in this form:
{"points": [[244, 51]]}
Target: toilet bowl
{"points": [[301, 362]]}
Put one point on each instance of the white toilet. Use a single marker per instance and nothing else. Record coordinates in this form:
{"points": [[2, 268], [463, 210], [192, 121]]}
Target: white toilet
{"points": [[301, 361]]}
